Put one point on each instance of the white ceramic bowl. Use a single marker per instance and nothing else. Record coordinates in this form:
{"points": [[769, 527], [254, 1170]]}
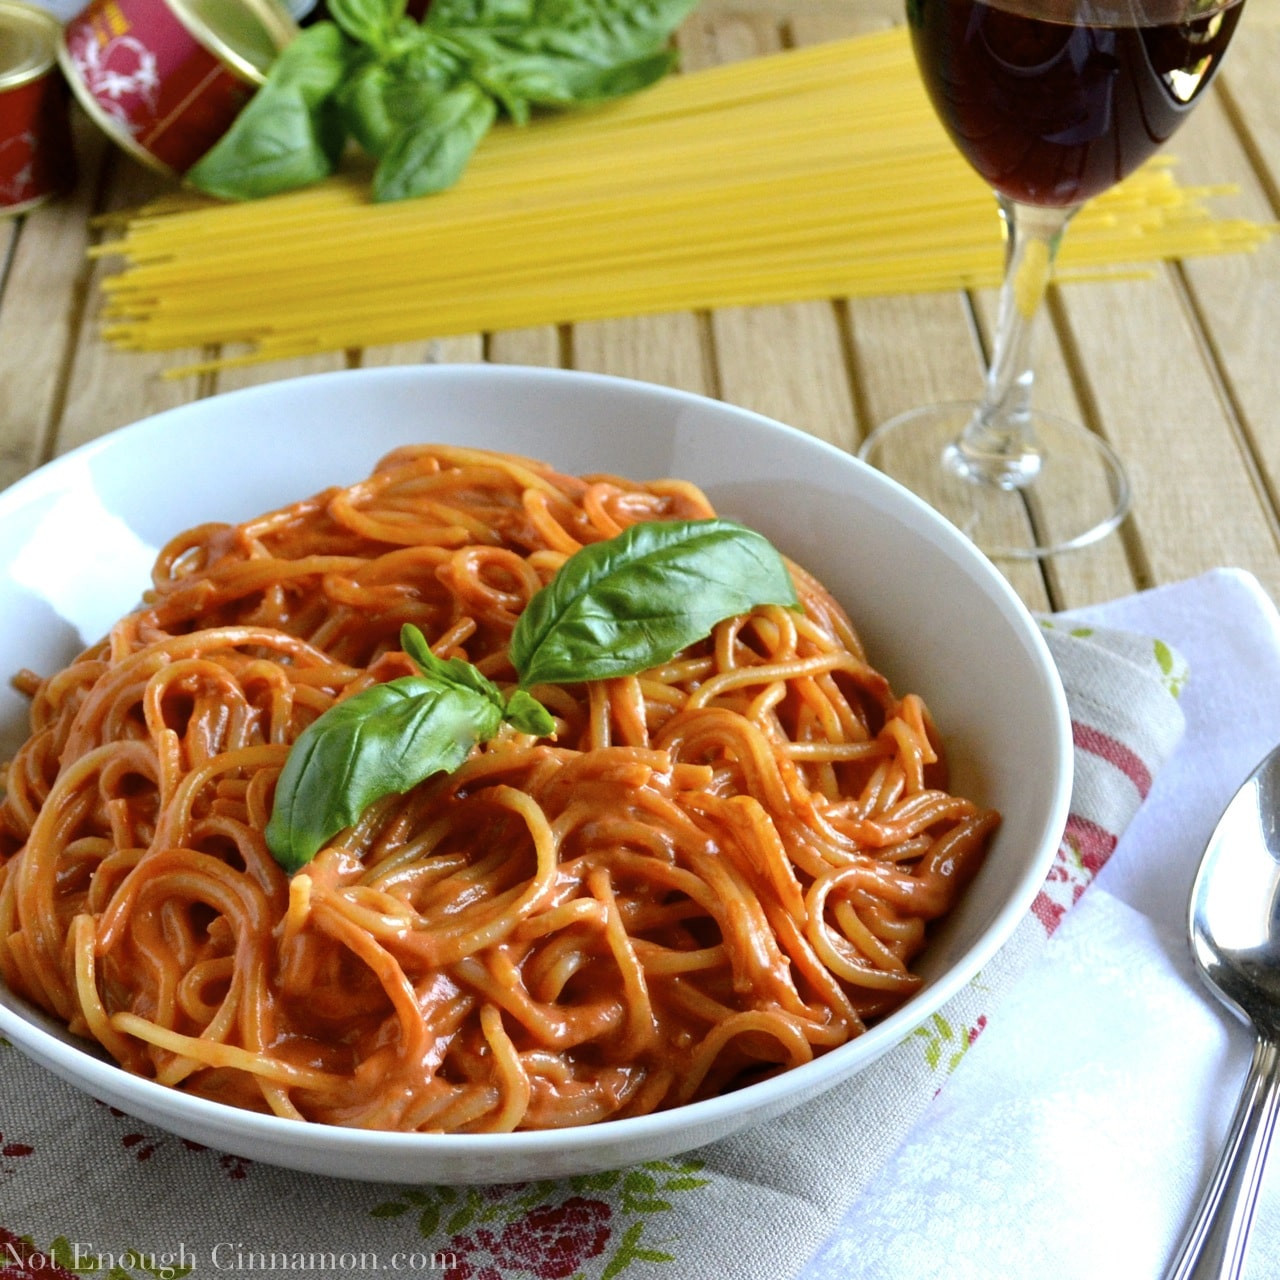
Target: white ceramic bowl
{"points": [[78, 536]]}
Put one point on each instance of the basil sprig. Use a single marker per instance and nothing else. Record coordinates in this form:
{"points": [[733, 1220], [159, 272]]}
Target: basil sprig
{"points": [[384, 740], [631, 602], [614, 608], [419, 97], [289, 134]]}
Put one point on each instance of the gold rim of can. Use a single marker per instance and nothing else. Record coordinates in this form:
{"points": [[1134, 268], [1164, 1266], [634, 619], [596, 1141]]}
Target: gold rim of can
{"points": [[93, 109], [275, 23], [36, 48], [212, 24]]}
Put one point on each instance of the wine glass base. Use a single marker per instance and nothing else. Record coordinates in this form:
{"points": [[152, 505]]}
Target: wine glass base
{"points": [[1074, 494]]}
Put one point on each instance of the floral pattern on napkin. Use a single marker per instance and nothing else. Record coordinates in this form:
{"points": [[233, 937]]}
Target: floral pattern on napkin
{"points": [[536, 1230], [1122, 728]]}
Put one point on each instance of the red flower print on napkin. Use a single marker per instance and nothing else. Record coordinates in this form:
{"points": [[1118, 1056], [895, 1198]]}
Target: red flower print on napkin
{"points": [[21, 1260], [142, 1146], [11, 1151], [550, 1242]]}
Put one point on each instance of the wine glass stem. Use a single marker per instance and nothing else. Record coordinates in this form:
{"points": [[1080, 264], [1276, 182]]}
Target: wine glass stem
{"points": [[998, 446]]}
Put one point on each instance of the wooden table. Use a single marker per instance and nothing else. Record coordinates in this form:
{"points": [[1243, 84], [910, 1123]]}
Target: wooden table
{"points": [[1180, 371]]}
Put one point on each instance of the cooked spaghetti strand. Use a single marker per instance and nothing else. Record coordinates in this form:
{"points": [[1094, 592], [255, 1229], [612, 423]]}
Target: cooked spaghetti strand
{"points": [[714, 870]]}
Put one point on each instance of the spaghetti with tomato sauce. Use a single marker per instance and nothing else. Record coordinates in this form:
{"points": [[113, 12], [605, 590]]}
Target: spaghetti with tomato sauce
{"points": [[713, 871]]}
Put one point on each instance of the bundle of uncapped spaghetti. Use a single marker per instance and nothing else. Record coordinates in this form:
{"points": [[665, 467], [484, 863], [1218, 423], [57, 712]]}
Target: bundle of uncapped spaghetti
{"points": [[809, 173]]}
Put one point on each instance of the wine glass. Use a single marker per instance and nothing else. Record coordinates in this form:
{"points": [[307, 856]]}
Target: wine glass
{"points": [[1052, 102]]}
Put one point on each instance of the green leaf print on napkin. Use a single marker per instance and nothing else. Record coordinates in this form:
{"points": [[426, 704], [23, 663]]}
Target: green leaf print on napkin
{"points": [[1171, 666], [945, 1044], [536, 1225]]}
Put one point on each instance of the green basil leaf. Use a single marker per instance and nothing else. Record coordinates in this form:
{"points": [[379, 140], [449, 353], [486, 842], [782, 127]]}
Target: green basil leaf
{"points": [[585, 83], [622, 606], [522, 709], [289, 133], [379, 742], [524, 712], [520, 80], [614, 608], [448, 671], [414, 643], [562, 54], [365, 110], [491, 65], [599, 30], [431, 153], [383, 97], [606, 31], [479, 13], [371, 22], [313, 62]]}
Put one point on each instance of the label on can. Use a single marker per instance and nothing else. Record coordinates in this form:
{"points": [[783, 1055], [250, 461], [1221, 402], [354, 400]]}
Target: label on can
{"points": [[36, 159], [145, 77]]}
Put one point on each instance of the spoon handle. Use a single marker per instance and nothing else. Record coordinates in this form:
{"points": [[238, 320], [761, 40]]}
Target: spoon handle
{"points": [[1214, 1245]]}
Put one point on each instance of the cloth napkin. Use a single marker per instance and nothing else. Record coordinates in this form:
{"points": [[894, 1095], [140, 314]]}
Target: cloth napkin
{"points": [[911, 1169]]}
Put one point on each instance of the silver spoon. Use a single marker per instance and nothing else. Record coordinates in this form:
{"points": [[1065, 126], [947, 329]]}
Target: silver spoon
{"points": [[1235, 940]]}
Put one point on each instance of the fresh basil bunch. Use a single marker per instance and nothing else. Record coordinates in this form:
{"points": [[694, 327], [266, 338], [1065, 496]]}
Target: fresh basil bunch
{"points": [[418, 97], [614, 608]]}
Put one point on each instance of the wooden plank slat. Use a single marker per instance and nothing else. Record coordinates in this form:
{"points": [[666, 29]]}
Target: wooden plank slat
{"points": [[668, 348], [464, 349], [1248, 85], [1236, 136], [236, 377], [1196, 505], [539, 345], [46, 279], [789, 363], [784, 361], [106, 388]]}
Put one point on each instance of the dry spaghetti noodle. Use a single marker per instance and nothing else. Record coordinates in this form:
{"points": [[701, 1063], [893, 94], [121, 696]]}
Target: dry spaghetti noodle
{"points": [[810, 173], [716, 870]]}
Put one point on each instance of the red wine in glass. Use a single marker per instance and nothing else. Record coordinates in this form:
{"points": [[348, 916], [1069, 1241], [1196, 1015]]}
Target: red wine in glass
{"points": [[1053, 101]]}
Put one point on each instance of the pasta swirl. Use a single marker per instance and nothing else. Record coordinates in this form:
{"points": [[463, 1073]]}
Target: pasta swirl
{"points": [[713, 871]]}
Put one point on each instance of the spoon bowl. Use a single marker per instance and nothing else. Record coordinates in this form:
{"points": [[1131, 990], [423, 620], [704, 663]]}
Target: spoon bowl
{"points": [[1234, 928]]}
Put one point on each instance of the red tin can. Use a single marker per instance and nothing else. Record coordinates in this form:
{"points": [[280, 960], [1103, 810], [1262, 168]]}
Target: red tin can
{"points": [[165, 78], [36, 160]]}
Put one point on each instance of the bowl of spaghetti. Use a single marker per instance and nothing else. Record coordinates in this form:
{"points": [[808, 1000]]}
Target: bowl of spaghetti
{"points": [[794, 772]]}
